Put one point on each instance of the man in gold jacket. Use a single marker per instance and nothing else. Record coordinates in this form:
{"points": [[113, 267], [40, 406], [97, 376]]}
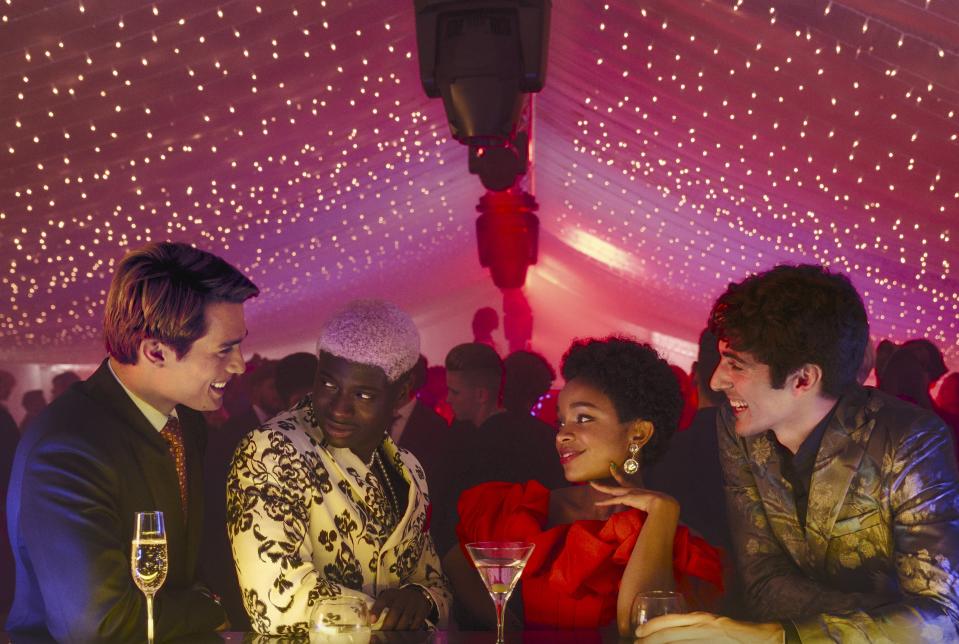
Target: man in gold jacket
{"points": [[843, 502]]}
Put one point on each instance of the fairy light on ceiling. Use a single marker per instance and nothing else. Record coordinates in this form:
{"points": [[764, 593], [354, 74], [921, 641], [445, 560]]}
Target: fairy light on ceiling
{"points": [[735, 140], [696, 142]]}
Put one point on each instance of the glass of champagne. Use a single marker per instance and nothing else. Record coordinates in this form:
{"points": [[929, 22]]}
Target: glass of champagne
{"points": [[653, 603], [499, 564], [148, 559]]}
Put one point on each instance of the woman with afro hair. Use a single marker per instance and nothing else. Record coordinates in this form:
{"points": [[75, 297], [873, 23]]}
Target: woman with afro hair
{"points": [[605, 538]]}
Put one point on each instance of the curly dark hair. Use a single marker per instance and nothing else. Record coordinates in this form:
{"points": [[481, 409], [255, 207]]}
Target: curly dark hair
{"points": [[637, 381], [789, 316]]}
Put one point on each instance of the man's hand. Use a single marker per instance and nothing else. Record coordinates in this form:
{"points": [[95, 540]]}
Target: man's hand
{"points": [[705, 627], [406, 609]]}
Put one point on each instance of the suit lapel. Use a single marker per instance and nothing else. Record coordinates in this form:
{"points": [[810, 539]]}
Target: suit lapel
{"points": [[777, 497], [837, 462]]}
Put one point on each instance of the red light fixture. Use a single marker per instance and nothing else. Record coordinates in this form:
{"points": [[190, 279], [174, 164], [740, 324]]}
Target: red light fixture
{"points": [[507, 235]]}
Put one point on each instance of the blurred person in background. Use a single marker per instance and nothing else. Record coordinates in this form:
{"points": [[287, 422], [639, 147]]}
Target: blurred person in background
{"points": [[33, 402], [423, 432], [294, 377], [494, 444], [485, 321], [61, 382], [912, 371], [690, 471], [947, 403], [690, 396], [527, 375], [434, 392], [948, 397]]}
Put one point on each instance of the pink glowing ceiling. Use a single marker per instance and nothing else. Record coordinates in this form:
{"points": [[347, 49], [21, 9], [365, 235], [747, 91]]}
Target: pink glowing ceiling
{"points": [[678, 145]]}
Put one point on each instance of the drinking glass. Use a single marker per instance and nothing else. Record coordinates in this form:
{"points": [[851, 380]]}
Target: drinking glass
{"points": [[148, 559], [341, 620], [499, 564], [653, 603]]}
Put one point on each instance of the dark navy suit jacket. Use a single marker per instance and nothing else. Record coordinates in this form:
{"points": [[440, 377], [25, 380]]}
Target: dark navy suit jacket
{"points": [[88, 464]]}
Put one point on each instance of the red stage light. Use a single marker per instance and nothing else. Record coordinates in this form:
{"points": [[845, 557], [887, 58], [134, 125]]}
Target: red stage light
{"points": [[507, 235]]}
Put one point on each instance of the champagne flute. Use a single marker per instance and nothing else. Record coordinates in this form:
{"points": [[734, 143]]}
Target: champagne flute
{"points": [[653, 603], [148, 559], [499, 564]]}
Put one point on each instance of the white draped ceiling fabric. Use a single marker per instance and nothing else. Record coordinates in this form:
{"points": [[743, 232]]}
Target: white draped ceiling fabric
{"points": [[678, 145]]}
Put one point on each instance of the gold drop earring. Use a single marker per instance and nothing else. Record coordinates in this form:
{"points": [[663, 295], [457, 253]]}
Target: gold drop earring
{"points": [[631, 466]]}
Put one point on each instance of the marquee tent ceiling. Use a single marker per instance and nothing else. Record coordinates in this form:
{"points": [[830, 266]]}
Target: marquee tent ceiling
{"points": [[678, 145]]}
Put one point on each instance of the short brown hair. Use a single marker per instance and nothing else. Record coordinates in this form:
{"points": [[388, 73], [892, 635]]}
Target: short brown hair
{"points": [[161, 292], [479, 363]]}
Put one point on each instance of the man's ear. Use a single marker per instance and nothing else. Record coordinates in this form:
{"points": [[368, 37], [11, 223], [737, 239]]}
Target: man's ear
{"points": [[807, 378], [484, 395], [155, 353], [641, 431]]}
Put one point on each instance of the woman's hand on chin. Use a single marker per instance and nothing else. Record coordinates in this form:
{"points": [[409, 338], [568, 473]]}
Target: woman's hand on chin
{"points": [[625, 493]]}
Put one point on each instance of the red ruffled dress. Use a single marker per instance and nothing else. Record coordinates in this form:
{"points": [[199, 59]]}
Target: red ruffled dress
{"points": [[572, 578]]}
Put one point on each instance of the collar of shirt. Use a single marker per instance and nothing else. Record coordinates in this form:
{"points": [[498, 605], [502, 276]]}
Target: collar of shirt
{"points": [[154, 416], [805, 456]]}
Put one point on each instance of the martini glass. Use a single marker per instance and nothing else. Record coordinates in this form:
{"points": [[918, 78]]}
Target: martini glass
{"points": [[499, 564]]}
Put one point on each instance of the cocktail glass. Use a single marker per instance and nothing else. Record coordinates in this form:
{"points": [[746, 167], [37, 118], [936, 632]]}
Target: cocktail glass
{"points": [[499, 564]]}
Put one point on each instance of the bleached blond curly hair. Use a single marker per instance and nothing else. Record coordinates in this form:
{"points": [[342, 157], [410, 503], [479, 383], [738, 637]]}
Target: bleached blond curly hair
{"points": [[372, 332]]}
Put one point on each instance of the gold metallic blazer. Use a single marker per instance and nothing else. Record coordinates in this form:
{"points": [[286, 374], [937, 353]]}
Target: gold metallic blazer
{"points": [[878, 560]]}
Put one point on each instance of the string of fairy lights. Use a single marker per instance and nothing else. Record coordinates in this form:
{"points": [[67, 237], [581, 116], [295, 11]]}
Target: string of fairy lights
{"points": [[736, 204], [680, 144]]}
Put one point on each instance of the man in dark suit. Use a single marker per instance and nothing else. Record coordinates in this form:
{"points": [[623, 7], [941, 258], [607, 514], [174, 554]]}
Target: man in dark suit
{"points": [[495, 444], [128, 439], [423, 432]]}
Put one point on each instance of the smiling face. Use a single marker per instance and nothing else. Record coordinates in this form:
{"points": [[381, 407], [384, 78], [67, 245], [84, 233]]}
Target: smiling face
{"points": [[590, 433], [355, 403], [198, 379], [756, 405]]}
